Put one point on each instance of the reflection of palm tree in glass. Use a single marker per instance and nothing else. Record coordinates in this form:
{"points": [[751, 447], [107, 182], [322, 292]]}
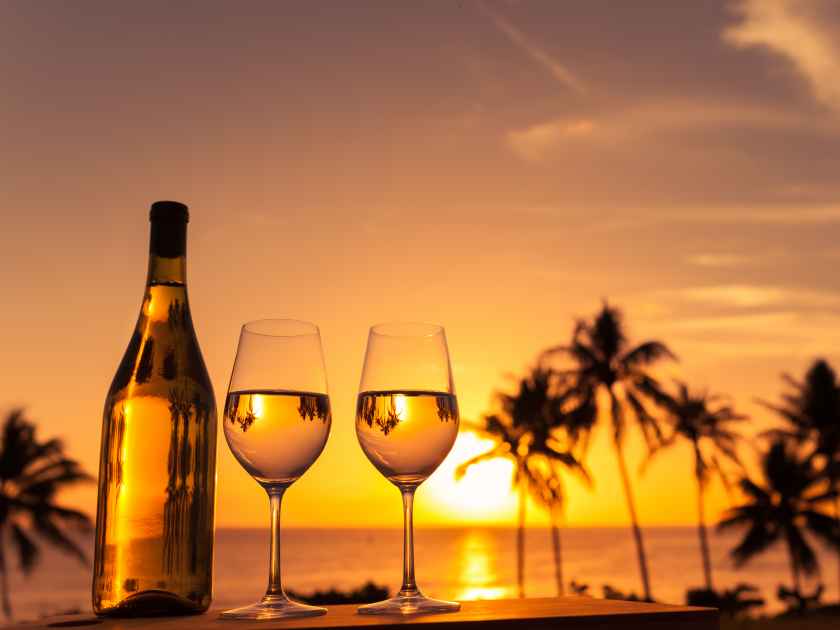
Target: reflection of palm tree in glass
{"points": [[785, 506], [704, 421], [244, 418], [32, 473], [312, 407], [384, 412], [604, 361], [445, 409], [386, 418], [811, 412]]}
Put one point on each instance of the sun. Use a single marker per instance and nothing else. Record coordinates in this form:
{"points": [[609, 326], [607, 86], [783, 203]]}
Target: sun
{"points": [[483, 495]]}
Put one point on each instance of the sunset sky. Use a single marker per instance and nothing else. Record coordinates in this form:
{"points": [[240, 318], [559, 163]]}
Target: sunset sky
{"points": [[496, 167]]}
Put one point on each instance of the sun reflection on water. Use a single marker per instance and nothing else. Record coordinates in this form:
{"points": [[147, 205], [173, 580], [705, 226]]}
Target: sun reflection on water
{"points": [[478, 568]]}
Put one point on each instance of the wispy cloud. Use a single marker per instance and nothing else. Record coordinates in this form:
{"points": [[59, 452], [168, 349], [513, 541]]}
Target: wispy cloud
{"points": [[794, 215], [537, 53], [753, 296], [719, 260], [640, 123], [538, 141], [793, 28], [744, 320]]}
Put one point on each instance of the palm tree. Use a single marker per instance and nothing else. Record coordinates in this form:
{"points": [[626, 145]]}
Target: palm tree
{"points": [[705, 421], [525, 433], [785, 507], [548, 490], [605, 362], [31, 474], [559, 439], [508, 439], [811, 411]]}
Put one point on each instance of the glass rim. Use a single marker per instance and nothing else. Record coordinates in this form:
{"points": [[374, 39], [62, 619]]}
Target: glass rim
{"points": [[285, 327], [406, 329]]}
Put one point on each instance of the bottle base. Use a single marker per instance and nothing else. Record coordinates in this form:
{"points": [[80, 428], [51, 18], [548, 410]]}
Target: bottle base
{"points": [[153, 603]]}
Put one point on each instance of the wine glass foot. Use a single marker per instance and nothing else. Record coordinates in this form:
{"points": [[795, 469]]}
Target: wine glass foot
{"points": [[409, 604], [273, 607]]}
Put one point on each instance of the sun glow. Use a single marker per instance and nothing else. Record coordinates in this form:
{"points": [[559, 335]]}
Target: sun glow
{"points": [[400, 406], [257, 406], [478, 568], [483, 494]]}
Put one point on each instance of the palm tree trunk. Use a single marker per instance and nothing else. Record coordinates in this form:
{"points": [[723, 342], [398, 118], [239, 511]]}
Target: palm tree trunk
{"points": [[704, 539], [558, 555], [794, 571], [4, 578], [634, 519], [837, 526], [520, 540]]}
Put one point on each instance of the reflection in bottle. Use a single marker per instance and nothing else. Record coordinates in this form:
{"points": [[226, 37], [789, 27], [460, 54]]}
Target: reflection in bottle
{"points": [[186, 501], [112, 474]]}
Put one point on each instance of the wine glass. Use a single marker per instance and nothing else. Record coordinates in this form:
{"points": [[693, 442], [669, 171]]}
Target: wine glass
{"points": [[277, 419], [406, 422]]}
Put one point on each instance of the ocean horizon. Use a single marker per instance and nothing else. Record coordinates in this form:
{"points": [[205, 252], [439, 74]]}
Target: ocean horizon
{"points": [[463, 563]]}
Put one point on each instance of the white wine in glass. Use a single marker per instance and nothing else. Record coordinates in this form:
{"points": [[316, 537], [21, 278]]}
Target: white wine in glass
{"points": [[406, 422], [406, 434], [276, 421]]}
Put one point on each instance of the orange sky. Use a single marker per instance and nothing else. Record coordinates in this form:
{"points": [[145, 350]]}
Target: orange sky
{"points": [[496, 167]]}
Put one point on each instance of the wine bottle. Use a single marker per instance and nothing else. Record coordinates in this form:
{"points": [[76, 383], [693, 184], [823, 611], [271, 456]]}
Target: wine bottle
{"points": [[157, 471]]}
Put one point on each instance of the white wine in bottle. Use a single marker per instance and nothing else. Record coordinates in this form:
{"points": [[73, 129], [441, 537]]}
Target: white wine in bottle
{"points": [[157, 471]]}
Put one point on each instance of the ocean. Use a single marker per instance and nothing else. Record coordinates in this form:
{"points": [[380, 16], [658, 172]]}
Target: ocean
{"points": [[453, 563]]}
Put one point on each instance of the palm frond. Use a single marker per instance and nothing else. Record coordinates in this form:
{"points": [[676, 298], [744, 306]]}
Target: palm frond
{"points": [[823, 526], [493, 453], [757, 539], [36, 471], [50, 532], [28, 552], [647, 353], [648, 424]]}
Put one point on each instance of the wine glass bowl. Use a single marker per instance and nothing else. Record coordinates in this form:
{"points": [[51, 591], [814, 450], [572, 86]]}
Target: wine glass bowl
{"points": [[406, 422], [406, 434], [276, 435], [276, 421]]}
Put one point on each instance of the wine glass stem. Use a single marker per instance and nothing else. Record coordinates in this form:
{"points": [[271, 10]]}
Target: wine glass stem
{"points": [[275, 498], [408, 586]]}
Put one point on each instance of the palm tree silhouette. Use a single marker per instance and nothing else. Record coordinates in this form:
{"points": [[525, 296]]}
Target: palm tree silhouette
{"points": [[811, 411], [785, 507], [31, 474], [604, 362], [508, 439], [705, 421], [523, 432], [559, 424]]}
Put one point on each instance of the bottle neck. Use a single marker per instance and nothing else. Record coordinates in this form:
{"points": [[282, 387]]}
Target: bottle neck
{"points": [[168, 254]]}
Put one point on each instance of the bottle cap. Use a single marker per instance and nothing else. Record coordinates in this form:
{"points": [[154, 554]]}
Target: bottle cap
{"points": [[170, 211]]}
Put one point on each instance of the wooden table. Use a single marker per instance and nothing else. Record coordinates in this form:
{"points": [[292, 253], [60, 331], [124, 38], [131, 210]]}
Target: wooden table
{"points": [[564, 613]]}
